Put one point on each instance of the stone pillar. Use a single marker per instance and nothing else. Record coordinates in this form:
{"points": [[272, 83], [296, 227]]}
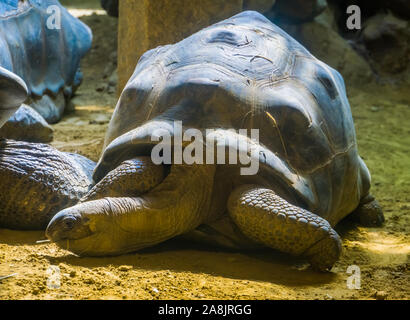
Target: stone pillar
{"points": [[146, 24]]}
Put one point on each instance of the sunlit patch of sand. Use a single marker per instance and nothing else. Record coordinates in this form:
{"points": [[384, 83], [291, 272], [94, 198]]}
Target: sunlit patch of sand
{"points": [[95, 108], [61, 144], [86, 12], [383, 248]]}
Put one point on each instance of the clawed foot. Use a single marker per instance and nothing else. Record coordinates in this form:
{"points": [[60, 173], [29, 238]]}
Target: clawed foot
{"points": [[267, 219], [323, 254]]}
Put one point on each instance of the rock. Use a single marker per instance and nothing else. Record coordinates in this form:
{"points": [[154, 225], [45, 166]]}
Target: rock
{"points": [[258, 5], [27, 125], [327, 45], [381, 295], [146, 24], [387, 41], [101, 87], [298, 11], [124, 268]]}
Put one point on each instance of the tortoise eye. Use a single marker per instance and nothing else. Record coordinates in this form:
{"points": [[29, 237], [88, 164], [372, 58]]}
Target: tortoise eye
{"points": [[68, 223]]}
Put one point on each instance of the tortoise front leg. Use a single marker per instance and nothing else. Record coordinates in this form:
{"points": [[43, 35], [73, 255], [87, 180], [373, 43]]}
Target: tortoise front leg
{"points": [[131, 178], [268, 219]]}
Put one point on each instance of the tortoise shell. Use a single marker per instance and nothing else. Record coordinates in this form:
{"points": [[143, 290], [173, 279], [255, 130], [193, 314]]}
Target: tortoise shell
{"points": [[44, 54], [245, 72], [13, 92]]}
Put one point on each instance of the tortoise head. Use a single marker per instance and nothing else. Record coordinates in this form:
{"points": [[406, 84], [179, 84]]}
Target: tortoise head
{"points": [[13, 92]]}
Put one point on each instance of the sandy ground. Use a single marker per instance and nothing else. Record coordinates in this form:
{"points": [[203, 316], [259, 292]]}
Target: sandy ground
{"points": [[177, 270]]}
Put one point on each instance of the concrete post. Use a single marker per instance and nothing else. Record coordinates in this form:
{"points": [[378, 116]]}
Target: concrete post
{"points": [[146, 24]]}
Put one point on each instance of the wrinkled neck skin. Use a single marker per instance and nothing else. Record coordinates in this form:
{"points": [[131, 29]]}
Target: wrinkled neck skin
{"points": [[112, 226]]}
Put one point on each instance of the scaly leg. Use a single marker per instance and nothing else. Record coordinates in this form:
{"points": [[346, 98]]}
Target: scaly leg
{"points": [[130, 179], [270, 220]]}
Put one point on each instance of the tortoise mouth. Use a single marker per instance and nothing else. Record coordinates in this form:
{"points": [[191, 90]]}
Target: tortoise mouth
{"points": [[68, 224]]}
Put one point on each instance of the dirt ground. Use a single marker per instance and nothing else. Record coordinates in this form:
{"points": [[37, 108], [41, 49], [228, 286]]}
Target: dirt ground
{"points": [[177, 270]]}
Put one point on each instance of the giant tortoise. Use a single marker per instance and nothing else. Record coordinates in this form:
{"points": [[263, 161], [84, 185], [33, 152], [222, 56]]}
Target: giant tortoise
{"points": [[242, 73], [43, 43]]}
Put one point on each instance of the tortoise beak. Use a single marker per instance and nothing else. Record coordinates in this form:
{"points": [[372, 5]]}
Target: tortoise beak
{"points": [[67, 224]]}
